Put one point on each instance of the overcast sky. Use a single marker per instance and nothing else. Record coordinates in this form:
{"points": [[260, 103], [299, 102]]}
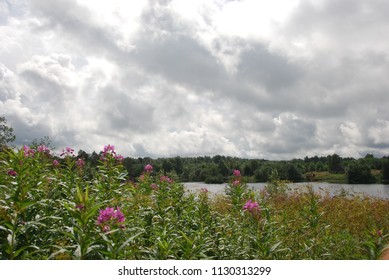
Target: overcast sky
{"points": [[276, 79]]}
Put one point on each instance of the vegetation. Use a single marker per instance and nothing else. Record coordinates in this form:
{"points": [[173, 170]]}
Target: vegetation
{"points": [[6, 132], [86, 207]]}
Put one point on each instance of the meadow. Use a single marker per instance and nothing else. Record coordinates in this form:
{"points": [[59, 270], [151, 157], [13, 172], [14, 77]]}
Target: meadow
{"points": [[55, 207]]}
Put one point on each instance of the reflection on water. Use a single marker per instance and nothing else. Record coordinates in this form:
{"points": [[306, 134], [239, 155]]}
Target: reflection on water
{"points": [[376, 190]]}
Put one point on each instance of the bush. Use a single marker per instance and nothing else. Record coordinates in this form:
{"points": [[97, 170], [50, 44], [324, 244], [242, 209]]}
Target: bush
{"points": [[359, 173]]}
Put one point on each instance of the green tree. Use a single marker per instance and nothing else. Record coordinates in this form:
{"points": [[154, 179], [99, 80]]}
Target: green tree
{"points": [[46, 141], [334, 164], [6, 132], [385, 170], [359, 173]]}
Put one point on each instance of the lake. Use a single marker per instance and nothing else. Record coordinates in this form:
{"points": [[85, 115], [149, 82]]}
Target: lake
{"points": [[376, 190]]}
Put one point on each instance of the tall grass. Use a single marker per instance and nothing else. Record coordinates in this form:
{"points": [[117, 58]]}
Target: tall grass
{"points": [[53, 208]]}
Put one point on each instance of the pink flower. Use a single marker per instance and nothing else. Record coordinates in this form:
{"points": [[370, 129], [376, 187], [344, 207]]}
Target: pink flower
{"points": [[110, 217], [67, 152], [55, 163], [12, 173], [154, 187], [236, 173], [251, 206], [148, 168], [119, 158], [204, 190], [166, 179], [80, 163], [43, 149], [80, 207], [236, 183], [109, 149], [28, 152]]}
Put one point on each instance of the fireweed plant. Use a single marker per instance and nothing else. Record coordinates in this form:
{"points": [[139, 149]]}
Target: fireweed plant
{"points": [[58, 207]]}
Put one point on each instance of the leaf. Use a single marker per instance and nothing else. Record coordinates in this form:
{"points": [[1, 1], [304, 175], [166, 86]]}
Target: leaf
{"points": [[17, 252], [60, 251], [129, 240], [25, 204], [5, 229]]}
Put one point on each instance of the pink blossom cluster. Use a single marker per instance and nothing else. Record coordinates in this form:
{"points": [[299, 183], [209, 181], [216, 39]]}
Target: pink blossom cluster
{"points": [[43, 149], [55, 163], [28, 152], [148, 168], [67, 152], [80, 163], [109, 151], [110, 217], [236, 181], [166, 179], [251, 206]]}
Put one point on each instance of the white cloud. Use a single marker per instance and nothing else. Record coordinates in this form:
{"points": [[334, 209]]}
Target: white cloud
{"points": [[277, 79]]}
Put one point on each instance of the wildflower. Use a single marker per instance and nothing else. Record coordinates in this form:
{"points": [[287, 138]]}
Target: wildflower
{"points": [[80, 207], [119, 158], [166, 179], [148, 168], [80, 163], [109, 149], [236, 183], [43, 149], [236, 173], [67, 152], [251, 206], [28, 152], [204, 190], [154, 187], [55, 163], [110, 217], [12, 173]]}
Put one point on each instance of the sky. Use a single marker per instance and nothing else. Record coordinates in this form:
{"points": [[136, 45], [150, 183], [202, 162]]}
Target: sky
{"points": [[276, 79]]}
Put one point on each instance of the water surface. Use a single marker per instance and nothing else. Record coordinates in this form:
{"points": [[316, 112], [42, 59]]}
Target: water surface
{"points": [[376, 190]]}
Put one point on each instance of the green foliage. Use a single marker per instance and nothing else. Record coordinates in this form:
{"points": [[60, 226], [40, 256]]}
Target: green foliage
{"points": [[359, 172], [6, 132], [54, 211]]}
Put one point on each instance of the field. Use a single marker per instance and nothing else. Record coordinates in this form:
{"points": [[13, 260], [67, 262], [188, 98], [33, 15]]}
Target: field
{"points": [[55, 207]]}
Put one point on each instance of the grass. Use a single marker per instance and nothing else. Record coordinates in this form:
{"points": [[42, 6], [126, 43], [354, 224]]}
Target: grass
{"points": [[325, 176], [57, 212]]}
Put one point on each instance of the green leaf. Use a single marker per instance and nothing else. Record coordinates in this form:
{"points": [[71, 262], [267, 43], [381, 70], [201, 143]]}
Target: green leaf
{"points": [[129, 240]]}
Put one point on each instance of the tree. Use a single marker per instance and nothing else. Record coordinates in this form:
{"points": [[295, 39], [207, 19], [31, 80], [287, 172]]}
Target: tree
{"points": [[6, 132], [46, 141], [359, 173], [334, 164], [385, 171]]}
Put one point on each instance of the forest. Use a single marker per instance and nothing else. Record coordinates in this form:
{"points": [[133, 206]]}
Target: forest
{"points": [[216, 169]]}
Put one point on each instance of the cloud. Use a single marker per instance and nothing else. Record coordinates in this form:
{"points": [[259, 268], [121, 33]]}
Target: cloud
{"points": [[163, 78]]}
